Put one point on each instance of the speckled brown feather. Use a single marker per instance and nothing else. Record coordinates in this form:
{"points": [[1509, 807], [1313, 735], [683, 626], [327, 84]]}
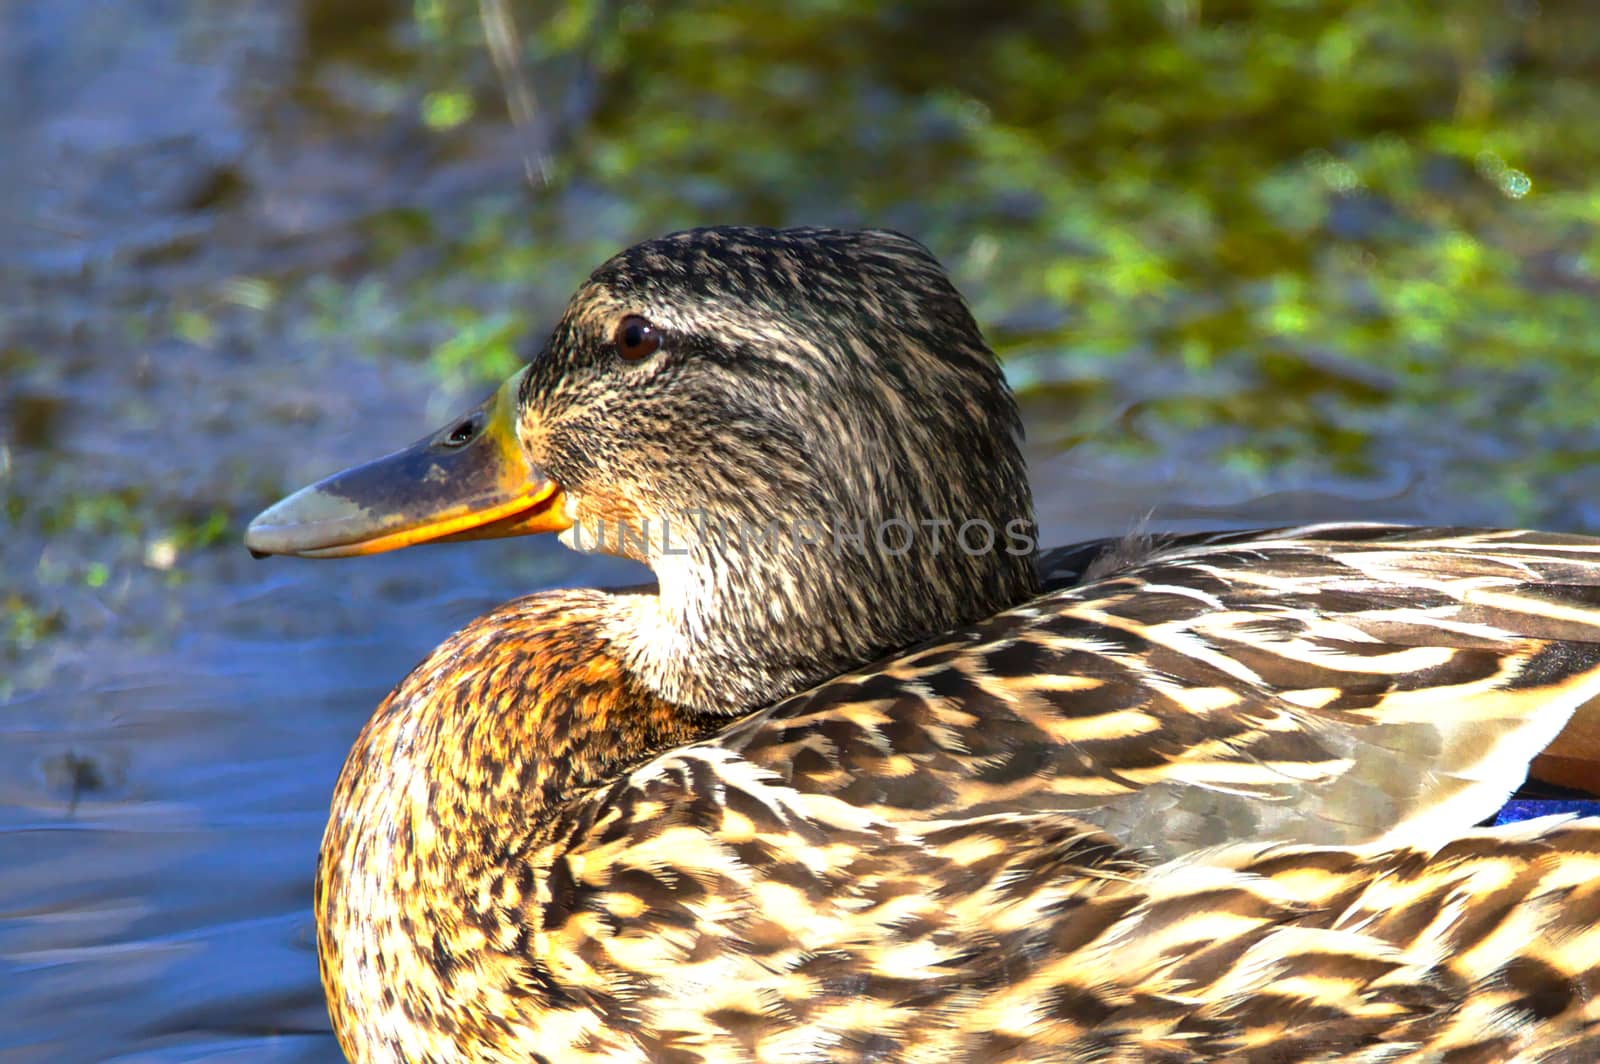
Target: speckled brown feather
{"points": [[517, 873], [457, 771], [1331, 684]]}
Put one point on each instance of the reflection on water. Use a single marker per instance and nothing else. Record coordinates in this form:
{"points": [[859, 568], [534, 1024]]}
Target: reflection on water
{"points": [[232, 233]]}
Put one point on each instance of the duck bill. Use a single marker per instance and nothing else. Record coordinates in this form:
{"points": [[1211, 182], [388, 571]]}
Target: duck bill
{"points": [[469, 480]]}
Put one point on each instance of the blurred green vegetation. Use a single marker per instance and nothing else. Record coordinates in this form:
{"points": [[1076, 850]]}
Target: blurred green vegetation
{"points": [[1340, 207]]}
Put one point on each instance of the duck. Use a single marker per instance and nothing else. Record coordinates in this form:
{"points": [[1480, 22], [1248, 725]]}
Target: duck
{"points": [[865, 775]]}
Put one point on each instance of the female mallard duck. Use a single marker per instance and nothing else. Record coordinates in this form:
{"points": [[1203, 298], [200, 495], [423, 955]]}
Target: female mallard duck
{"points": [[572, 832]]}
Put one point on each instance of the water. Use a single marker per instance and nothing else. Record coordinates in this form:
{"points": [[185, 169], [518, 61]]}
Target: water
{"points": [[243, 244]]}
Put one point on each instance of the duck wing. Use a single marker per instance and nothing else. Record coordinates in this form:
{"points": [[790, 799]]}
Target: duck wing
{"points": [[1329, 684], [1486, 947], [701, 909]]}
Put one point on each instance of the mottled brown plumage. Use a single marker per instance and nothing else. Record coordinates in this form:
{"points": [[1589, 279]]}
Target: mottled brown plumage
{"points": [[1337, 684], [426, 865], [1208, 797], [514, 872]]}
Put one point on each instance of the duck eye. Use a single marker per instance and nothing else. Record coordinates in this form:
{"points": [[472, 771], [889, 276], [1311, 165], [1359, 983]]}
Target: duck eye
{"points": [[461, 434], [636, 338]]}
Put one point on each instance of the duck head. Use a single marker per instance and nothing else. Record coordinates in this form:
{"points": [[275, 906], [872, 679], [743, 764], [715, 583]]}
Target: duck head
{"points": [[802, 432]]}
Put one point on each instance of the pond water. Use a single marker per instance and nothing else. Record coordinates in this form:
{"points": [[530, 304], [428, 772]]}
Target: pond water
{"points": [[243, 244]]}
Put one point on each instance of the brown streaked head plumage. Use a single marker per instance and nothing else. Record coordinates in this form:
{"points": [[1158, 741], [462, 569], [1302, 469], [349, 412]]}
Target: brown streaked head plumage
{"points": [[815, 379], [800, 431]]}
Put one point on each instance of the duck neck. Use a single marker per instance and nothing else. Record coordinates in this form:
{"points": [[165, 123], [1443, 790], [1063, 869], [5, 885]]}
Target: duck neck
{"points": [[745, 616]]}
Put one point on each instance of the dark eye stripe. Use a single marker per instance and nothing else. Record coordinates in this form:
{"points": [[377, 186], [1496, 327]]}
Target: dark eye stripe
{"points": [[636, 338]]}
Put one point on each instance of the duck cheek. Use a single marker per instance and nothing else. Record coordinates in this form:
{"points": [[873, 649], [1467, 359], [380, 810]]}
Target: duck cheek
{"points": [[576, 537], [606, 524]]}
